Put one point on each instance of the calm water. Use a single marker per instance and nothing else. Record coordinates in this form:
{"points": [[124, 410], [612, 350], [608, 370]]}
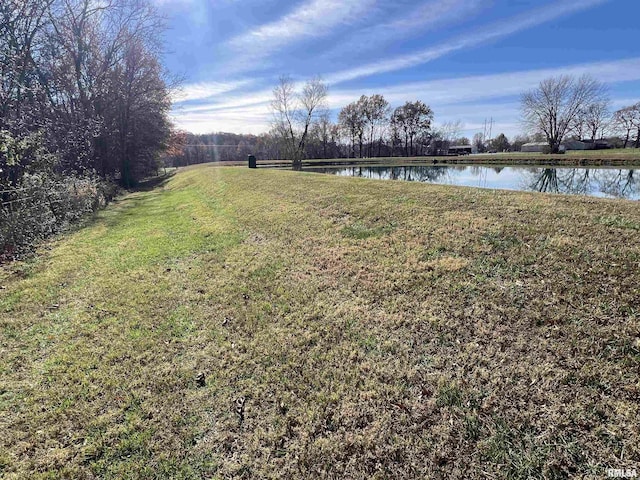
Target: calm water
{"points": [[598, 182]]}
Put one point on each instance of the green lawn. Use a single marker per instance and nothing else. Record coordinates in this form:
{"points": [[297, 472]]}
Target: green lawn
{"points": [[346, 328], [632, 152]]}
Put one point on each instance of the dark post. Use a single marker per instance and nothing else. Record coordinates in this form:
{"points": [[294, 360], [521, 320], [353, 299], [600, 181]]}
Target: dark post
{"points": [[252, 161]]}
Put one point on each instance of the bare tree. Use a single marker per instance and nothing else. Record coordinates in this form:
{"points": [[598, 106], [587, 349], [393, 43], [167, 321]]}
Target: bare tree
{"points": [[294, 112], [478, 142], [596, 118], [449, 132], [324, 127], [518, 141], [395, 136], [351, 122], [361, 107], [320, 140], [627, 120], [412, 119], [375, 110], [400, 127], [553, 107], [284, 108], [579, 126]]}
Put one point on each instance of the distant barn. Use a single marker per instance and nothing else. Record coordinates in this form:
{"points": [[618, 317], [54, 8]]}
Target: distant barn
{"points": [[586, 145], [461, 150], [577, 145]]}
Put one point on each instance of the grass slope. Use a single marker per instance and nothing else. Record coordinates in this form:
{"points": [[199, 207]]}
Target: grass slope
{"points": [[346, 328]]}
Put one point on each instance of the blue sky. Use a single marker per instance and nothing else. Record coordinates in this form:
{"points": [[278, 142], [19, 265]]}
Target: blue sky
{"points": [[468, 59]]}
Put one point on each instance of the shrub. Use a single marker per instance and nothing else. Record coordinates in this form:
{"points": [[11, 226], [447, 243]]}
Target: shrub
{"points": [[44, 204]]}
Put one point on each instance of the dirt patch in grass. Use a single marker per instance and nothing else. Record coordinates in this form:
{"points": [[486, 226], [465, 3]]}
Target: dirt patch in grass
{"points": [[271, 324]]}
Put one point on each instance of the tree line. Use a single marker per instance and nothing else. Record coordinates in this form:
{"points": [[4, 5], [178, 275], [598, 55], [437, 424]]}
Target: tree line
{"points": [[367, 127], [83, 96], [302, 128], [568, 107], [560, 108]]}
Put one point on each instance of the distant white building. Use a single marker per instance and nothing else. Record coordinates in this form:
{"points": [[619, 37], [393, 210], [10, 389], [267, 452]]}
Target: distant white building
{"points": [[541, 147], [534, 147]]}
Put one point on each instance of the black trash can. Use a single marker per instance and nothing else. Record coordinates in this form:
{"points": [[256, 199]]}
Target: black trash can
{"points": [[252, 161]]}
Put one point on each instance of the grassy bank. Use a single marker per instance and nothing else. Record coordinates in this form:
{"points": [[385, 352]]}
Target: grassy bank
{"points": [[271, 324], [614, 157]]}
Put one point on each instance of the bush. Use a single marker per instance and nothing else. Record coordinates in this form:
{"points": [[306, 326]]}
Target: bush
{"points": [[42, 204]]}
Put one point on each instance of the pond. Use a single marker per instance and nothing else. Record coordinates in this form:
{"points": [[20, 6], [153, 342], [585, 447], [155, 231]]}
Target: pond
{"points": [[598, 182]]}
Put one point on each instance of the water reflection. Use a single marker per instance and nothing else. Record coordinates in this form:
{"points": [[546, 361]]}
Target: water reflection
{"points": [[412, 173], [601, 182], [619, 183]]}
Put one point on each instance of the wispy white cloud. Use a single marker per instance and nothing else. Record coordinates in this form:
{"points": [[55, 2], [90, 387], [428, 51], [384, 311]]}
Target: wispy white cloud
{"points": [[230, 102], [491, 33], [239, 121], [470, 99], [308, 20], [622, 102], [172, 2], [426, 16], [241, 112], [473, 88], [436, 13], [202, 90]]}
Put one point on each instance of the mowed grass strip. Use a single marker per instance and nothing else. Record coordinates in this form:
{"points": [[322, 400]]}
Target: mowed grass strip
{"points": [[346, 328]]}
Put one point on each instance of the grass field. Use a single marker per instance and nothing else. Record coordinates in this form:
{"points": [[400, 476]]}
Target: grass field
{"points": [[632, 152], [272, 324]]}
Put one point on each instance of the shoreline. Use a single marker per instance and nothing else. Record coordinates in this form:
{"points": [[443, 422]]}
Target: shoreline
{"points": [[618, 160]]}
